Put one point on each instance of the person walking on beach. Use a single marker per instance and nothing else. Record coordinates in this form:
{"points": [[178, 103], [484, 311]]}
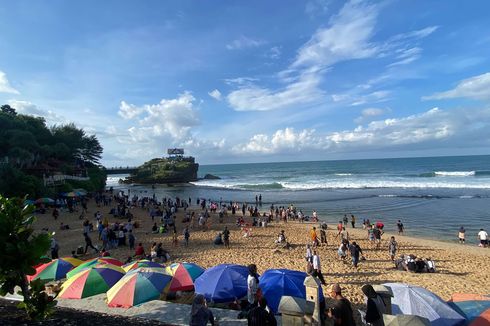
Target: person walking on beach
{"points": [[355, 253], [56, 213], [344, 235], [314, 237], [461, 234], [341, 311], [317, 269], [226, 237], [88, 244], [187, 235], [323, 233], [483, 237], [345, 220], [353, 221], [339, 229], [400, 227], [392, 247]]}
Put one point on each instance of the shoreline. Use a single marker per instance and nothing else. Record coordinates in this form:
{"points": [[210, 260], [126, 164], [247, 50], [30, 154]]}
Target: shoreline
{"points": [[460, 268]]}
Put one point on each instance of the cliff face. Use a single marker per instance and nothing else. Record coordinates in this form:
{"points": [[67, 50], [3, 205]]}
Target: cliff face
{"points": [[166, 170]]}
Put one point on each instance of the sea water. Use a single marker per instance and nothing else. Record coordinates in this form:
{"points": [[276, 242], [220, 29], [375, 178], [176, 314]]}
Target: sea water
{"points": [[433, 196]]}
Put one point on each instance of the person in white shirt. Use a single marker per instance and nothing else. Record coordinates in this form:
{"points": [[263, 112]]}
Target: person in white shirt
{"points": [[252, 284], [483, 237], [317, 269]]}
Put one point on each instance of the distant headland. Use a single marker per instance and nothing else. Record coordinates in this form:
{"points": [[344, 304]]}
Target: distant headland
{"points": [[176, 168]]}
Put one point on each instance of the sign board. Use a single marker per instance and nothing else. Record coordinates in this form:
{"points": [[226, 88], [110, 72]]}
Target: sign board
{"points": [[175, 151]]}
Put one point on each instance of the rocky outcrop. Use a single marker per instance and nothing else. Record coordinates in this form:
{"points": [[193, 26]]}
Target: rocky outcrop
{"points": [[211, 177], [165, 171]]}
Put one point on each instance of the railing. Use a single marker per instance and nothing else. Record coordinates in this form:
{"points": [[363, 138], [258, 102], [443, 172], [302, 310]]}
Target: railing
{"points": [[59, 179]]}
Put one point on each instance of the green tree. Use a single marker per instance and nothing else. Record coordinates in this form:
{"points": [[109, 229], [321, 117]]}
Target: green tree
{"points": [[8, 109], [22, 248]]}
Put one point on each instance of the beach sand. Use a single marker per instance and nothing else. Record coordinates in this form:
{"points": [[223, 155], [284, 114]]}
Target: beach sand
{"points": [[460, 268]]}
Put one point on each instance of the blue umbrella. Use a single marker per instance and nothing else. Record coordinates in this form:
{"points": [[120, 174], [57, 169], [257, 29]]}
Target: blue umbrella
{"points": [[275, 283], [223, 283], [415, 300]]}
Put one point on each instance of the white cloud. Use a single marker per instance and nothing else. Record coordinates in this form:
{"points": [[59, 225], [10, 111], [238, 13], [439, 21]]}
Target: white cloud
{"points": [[434, 127], [216, 94], [316, 7], [417, 34], [274, 53], [253, 98], [28, 108], [173, 117], [477, 87], [244, 42], [346, 37], [5, 86], [129, 111], [370, 114], [358, 97], [407, 56]]}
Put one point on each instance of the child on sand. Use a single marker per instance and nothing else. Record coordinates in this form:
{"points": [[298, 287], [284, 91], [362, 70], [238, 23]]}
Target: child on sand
{"points": [[461, 234], [314, 237], [226, 237], [186, 236], [392, 247]]}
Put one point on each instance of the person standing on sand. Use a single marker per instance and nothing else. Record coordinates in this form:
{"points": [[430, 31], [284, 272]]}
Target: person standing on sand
{"points": [[54, 247], [483, 237], [345, 220], [187, 235], [392, 248], [355, 252], [461, 234], [226, 237], [341, 310], [400, 227], [252, 285], [317, 269], [131, 240], [353, 221]]}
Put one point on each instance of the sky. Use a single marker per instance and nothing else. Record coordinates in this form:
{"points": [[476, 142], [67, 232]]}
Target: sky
{"points": [[254, 81]]}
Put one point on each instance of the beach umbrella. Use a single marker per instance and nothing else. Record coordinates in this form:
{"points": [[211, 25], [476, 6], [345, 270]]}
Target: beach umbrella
{"points": [[138, 286], [474, 307], [93, 262], [95, 280], [183, 276], [80, 192], [70, 194], [414, 300], [55, 269], [223, 283], [405, 320], [44, 200], [141, 263], [276, 283]]}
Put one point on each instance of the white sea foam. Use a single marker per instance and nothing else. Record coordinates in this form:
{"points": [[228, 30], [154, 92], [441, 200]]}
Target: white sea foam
{"points": [[350, 184], [343, 174], [454, 173]]}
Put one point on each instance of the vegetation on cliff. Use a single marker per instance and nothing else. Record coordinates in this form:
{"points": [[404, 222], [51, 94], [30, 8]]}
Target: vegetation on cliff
{"points": [[30, 150], [166, 170]]}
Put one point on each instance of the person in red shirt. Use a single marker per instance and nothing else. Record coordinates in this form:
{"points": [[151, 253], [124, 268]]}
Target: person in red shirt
{"points": [[139, 251]]}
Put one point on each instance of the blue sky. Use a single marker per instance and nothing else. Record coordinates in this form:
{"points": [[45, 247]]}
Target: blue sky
{"points": [[254, 81]]}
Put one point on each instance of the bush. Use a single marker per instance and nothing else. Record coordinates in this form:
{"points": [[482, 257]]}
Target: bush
{"points": [[39, 305]]}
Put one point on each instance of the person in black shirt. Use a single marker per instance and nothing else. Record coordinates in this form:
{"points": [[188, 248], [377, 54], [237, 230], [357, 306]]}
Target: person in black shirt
{"points": [[259, 316], [341, 311]]}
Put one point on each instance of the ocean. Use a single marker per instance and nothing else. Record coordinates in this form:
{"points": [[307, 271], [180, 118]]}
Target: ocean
{"points": [[433, 196]]}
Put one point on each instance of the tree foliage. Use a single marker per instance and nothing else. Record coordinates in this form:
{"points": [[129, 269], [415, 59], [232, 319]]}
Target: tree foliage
{"points": [[22, 248], [29, 149]]}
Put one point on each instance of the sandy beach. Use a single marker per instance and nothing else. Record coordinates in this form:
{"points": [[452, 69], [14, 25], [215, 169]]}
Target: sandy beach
{"points": [[460, 268]]}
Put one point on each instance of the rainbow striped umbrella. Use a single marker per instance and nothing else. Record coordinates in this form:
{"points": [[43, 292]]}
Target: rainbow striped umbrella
{"points": [[55, 269], [138, 286], [92, 281], [141, 263], [44, 200], [184, 275], [93, 262]]}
